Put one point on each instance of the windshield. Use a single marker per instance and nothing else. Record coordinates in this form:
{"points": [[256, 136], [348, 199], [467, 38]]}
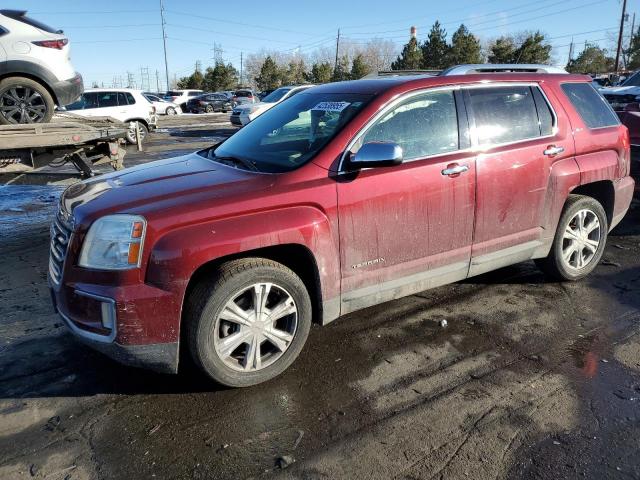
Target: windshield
{"points": [[291, 133], [276, 95], [632, 81]]}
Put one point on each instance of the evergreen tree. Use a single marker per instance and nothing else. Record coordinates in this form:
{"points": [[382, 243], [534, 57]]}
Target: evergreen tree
{"points": [[465, 48], [359, 67], [410, 58], [592, 59], [341, 72], [220, 77], [295, 74], [503, 50], [533, 49], [193, 81], [321, 73], [270, 75], [435, 50]]}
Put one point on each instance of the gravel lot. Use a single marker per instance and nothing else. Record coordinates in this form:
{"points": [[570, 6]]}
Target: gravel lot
{"points": [[529, 379]]}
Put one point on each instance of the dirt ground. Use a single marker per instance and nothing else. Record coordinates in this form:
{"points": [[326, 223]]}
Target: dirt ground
{"points": [[529, 379]]}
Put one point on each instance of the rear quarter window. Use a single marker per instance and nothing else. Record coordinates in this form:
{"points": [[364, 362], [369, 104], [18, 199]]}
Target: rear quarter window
{"points": [[590, 105]]}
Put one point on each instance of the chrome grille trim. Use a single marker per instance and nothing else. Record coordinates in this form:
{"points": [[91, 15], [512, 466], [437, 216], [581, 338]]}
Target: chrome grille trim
{"points": [[60, 235]]}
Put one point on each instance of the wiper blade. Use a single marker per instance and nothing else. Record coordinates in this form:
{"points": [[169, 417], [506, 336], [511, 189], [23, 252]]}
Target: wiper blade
{"points": [[248, 164]]}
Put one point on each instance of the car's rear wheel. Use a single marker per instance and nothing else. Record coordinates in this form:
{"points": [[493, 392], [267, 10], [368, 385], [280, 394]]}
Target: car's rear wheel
{"points": [[171, 111], [579, 241], [131, 132], [248, 322], [209, 108], [23, 100]]}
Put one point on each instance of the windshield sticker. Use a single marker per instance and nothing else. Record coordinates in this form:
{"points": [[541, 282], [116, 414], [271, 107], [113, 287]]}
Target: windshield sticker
{"points": [[331, 106]]}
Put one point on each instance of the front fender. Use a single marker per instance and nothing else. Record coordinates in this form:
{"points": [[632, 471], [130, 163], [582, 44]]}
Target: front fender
{"points": [[176, 255]]}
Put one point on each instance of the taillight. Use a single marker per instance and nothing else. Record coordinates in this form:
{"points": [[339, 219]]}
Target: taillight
{"points": [[57, 44]]}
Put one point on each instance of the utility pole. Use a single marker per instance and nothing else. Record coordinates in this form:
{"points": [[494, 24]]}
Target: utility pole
{"points": [[157, 82], [618, 51], [241, 68], [570, 52], [164, 43], [335, 66]]}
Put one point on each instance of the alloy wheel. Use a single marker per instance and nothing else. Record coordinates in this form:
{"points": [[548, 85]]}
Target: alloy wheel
{"points": [[255, 327], [581, 239], [22, 105]]}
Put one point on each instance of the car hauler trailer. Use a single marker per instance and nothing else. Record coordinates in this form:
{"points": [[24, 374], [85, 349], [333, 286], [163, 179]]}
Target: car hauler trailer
{"points": [[83, 142]]}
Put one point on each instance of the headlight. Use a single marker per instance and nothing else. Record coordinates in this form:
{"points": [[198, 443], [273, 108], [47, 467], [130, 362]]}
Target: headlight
{"points": [[114, 242]]}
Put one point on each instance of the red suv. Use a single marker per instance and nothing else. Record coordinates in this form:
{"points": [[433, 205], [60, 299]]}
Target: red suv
{"points": [[348, 195]]}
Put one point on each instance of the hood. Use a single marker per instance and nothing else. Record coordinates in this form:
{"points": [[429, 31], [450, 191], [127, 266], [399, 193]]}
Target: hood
{"points": [[631, 90], [156, 189]]}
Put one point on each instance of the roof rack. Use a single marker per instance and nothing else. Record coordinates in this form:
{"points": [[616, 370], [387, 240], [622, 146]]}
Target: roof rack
{"points": [[402, 73], [501, 68]]}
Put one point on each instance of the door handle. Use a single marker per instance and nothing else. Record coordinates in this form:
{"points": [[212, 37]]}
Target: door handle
{"points": [[454, 170], [552, 150]]}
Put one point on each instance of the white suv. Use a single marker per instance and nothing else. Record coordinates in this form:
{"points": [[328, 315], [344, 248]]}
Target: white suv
{"points": [[181, 97], [35, 71], [124, 104]]}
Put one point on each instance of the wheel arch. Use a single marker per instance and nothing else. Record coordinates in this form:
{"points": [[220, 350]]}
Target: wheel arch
{"points": [[602, 191], [17, 68], [142, 120]]}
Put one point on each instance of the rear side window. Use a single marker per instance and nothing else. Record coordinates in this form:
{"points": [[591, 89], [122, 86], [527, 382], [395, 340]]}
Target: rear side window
{"points": [[108, 99], [545, 116], [504, 114], [130, 98], [194, 94], [21, 17], [122, 99], [592, 107]]}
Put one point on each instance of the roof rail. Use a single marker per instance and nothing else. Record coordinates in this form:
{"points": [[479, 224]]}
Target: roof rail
{"points": [[501, 68], [401, 73]]}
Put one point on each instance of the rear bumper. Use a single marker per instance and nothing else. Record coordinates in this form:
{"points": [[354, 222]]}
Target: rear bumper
{"points": [[624, 188], [68, 91], [104, 324]]}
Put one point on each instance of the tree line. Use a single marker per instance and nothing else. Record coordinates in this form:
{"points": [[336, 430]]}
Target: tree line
{"points": [[274, 69]]}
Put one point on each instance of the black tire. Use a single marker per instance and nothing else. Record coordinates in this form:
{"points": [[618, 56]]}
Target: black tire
{"points": [[170, 111], [209, 108], [554, 265], [39, 108], [131, 136], [210, 296]]}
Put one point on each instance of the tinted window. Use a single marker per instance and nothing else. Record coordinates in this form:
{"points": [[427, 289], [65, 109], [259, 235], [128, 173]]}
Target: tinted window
{"points": [[108, 99], [276, 95], [130, 99], [594, 110], [545, 116], [21, 17], [243, 93], [3, 31], [423, 125], [172, 93], [504, 114], [87, 100], [122, 98], [194, 94]]}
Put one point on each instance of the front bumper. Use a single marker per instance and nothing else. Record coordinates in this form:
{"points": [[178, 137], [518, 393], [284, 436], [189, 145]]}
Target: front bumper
{"points": [[68, 91], [101, 322]]}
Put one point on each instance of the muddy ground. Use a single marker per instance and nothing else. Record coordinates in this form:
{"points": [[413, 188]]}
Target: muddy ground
{"points": [[529, 379]]}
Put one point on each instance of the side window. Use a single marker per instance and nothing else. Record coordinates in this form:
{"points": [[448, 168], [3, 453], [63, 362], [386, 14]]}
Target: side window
{"points": [[3, 31], [122, 99], [194, 94], [423, 125], [545, 116], [503, 114], [592, 107], [108, 99], [90, 100], [130, 98]]}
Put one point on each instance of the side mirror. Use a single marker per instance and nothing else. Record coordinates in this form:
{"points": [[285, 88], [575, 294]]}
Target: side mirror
{"points": [[377, 154]]}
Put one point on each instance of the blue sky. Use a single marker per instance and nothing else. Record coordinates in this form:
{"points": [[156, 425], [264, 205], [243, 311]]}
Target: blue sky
{"points": [[120, 36]]}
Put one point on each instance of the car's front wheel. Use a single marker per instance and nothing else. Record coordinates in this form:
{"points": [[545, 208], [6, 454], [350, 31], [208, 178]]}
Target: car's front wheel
{"points": [[171, 111], [23, 100], [248, 322], [209, 109], [579, 241]]}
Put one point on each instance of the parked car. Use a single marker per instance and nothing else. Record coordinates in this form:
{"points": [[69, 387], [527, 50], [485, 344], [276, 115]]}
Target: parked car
{"points": [[163, 107], [243, 114], [264, 93], [125, 104], [181, 97], [244, 96], [625, 100], [209, 103], [36, 74], [347, 195]]}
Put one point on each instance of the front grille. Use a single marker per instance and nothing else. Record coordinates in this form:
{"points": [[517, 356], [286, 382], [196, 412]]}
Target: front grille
{"points": [[60, 234]]}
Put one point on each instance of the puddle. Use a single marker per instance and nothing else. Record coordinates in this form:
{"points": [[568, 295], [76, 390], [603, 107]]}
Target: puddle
{"points": [[27, 205]]}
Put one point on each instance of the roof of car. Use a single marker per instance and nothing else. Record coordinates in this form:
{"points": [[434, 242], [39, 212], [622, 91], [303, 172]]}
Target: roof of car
{"points": [[378, 85], [132, 90]]}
